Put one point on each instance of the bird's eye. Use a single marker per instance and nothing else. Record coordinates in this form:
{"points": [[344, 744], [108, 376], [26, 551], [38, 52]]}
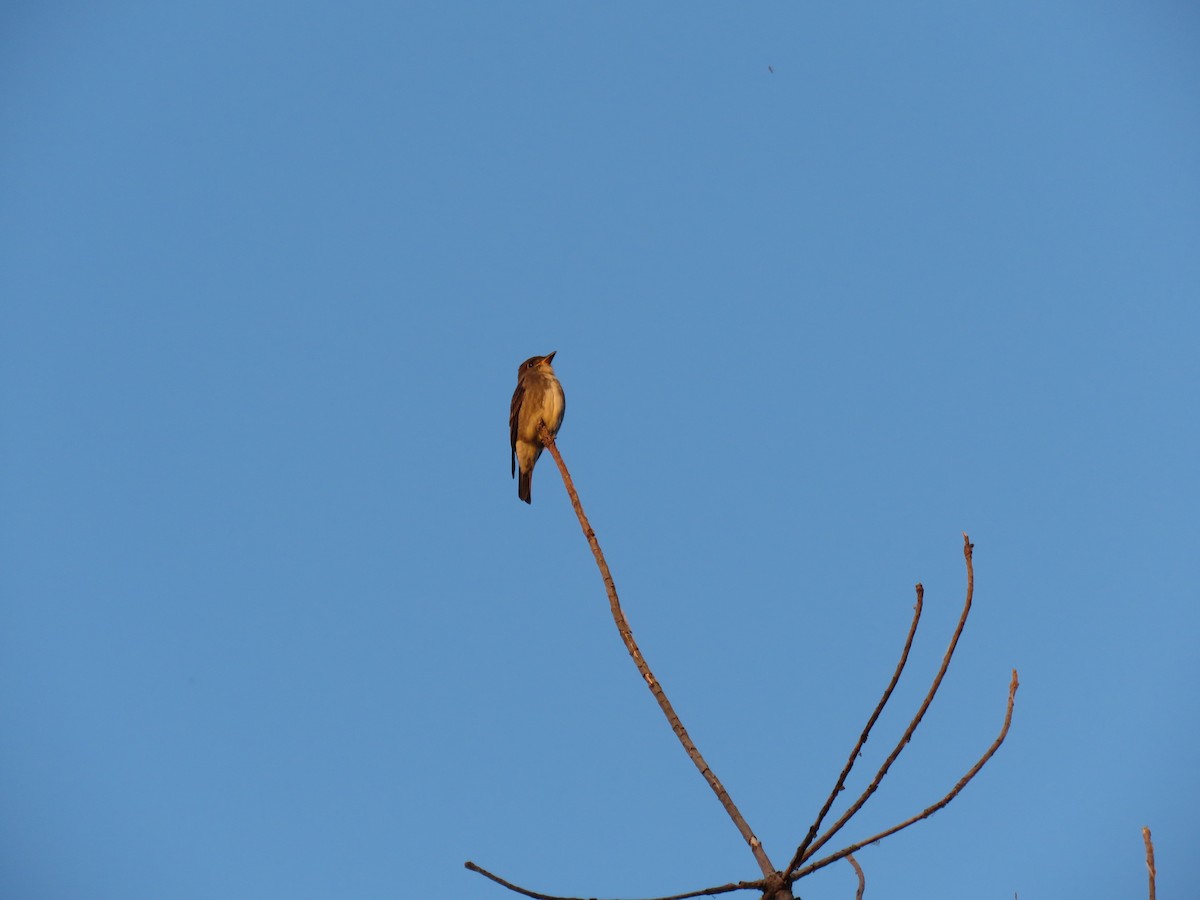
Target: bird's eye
{"points": [[531, 364]]}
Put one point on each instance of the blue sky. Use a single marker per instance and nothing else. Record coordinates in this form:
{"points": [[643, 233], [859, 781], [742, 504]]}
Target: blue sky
{"points": [[272, 619]]}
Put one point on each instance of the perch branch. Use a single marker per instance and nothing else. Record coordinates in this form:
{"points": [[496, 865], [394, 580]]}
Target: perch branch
{"points": [[706, 892], [912, 726], [643, 667], [1149, 858], [924, 814], [841, 782]]}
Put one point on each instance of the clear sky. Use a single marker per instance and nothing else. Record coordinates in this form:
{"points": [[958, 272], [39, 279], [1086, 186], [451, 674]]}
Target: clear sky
{"points": [[273, 622]]}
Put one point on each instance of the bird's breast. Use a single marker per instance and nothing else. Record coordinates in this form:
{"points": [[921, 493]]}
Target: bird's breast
{"points": [[555, 405]]}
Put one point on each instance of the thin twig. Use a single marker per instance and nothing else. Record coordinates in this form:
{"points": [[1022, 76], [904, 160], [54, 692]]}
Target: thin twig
{"points": [[706, 892], [656, 689], [862, 879], [1149, 858], [841, 782], [912, 726], [924, 814]]}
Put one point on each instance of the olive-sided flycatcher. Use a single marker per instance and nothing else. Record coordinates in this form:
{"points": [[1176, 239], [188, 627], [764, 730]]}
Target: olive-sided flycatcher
{"points": [[538, 398]]}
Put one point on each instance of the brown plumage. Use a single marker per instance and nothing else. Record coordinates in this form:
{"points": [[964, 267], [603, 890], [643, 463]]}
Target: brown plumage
{"points": [[538, 399]]}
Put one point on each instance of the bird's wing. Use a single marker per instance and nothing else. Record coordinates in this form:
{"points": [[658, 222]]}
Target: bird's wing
{"points": [[513, 413]]}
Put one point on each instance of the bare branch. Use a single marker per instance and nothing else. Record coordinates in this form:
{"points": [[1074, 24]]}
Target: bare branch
{"points": [[912, 726], [924, 814], [512, 887], [862, 879], [1149, 859], [841, 782], [643, 667], [706, 892]]}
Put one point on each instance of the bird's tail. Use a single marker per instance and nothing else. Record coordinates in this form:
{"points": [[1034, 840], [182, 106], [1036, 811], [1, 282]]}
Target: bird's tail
{"points": [[524, 482]]}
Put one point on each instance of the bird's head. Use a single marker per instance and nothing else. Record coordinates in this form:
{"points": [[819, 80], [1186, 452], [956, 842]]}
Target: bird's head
{"points": [[537, 362]]}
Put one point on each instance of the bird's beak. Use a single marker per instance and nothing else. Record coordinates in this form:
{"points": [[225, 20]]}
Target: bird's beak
{"points": [[549, 356]]}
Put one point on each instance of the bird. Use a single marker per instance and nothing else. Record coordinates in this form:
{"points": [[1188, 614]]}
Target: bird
{"points": [[538, 400]]}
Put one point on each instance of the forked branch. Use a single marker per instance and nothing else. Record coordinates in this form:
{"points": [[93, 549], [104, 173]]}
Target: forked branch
{"points": [[775, 884], [926, 813], [837, 826]]}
